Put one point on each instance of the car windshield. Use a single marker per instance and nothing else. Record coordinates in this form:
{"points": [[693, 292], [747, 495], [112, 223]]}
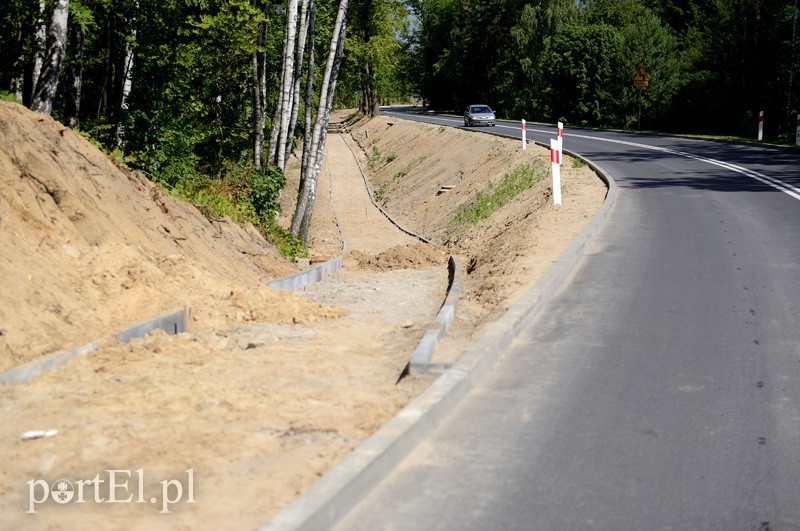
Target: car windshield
{"points": [[480, 109]]}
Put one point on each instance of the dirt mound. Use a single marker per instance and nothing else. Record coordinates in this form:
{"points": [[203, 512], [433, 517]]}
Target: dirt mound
{"points": [[85, 244], [426, 175], [89, 248], [414, 256]]}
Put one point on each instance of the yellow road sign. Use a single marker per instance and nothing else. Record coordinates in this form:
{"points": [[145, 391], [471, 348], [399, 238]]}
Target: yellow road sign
{"points": [[641, 79]]}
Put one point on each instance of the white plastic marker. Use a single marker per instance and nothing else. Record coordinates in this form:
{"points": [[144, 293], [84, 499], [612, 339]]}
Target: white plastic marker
{"points": [[555, 163], [37, 434], [524, 136], [561, 138], [761, 126]]}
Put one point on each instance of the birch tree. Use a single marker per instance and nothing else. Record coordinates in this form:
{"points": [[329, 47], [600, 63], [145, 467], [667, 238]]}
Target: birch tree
{"points": [[302, 38], [309, 88], [39, 43], [127, 74], [47, 83], [75, 76], [305, 203], [82, 21], [259, 60], [280, 124]]}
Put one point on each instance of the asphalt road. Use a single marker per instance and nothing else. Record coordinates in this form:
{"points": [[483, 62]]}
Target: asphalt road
{"points": [[660, 389]]}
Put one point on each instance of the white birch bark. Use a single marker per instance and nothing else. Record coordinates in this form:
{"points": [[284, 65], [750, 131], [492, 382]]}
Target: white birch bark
{"points": [[316, 147], [39, 42], [306, 222], [47, 84], [288, 83], [274, 132], [302, 38], [278, 134], [309, 89], [76, 76], [259, 92], [127, 83]]}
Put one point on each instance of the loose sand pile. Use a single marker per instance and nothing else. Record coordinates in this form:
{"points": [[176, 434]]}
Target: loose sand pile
{"points": [[88, 249]]}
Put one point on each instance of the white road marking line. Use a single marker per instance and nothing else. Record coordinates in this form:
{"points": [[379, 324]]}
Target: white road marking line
{"points": [[784, 187]]}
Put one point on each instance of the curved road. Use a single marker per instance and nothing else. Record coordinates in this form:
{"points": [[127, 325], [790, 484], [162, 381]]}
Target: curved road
{"points": [[660, 388]]}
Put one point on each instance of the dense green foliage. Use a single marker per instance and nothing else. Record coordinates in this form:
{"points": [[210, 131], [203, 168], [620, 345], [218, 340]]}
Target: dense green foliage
{"points": [[372, 73], [188, 120], [713, 64]]}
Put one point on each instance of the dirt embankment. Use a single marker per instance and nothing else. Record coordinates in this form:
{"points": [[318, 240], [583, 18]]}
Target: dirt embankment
{"points": [[268, 390], [426, 174], [88, 249]]}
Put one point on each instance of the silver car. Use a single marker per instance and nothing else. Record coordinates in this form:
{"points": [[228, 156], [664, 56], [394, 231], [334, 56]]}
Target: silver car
{"points": [[478, 115]]}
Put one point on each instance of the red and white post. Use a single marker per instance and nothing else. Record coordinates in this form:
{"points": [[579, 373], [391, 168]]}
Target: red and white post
{"points": [[524, 136], [555, 163], [761, 126], [797, 135], [561, 139]]}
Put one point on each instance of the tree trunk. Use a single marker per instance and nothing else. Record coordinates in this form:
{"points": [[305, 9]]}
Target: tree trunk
{"points": [[54, 56], [369, 105], [259, 91], [305, 203], [108, 76], [288, 84], [258, 116], [39, 43], [127, 76], [309, 91], [75, 77], [282, 112], [374, 104], [276, 127], [18, 75], [302, 38], [306, 223]]}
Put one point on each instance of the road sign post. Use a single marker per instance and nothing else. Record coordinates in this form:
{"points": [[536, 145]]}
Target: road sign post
{"points": [[761, 126], [641, 80], [555, 164], [524, 136]]}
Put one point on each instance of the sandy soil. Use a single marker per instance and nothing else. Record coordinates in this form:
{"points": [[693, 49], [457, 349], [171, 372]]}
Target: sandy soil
{"points": [[268, 389]]}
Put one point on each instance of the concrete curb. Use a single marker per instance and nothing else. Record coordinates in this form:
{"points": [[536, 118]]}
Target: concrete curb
{"points": [[172, 323], [420, 361], [337, 492], [297, 280], [25, 372], [421, 357]]}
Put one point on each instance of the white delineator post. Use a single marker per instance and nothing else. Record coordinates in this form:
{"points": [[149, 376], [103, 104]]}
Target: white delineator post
{"points": [[524, 136], [555, 163], [761, 126], [561, 138], [797, 137]]}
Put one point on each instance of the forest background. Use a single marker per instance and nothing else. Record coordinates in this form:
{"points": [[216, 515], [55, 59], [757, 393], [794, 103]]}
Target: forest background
{"points": [[208, 97]]}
